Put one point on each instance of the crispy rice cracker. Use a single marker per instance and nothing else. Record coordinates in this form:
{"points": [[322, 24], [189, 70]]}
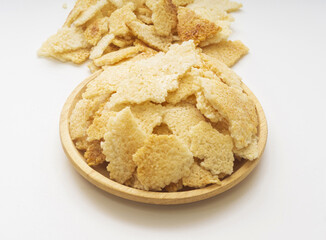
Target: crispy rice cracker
{"points": [[116, 56], [152, 78], [90, 12], [174, 187], [192, 26], [182, 2], [147, 115], [212, 146], [164, 16], [250, 152], [67, 39], [227, 52], [80, 6], [121, 42], [77, 56], [145, 19], [96, 29], [226, 74], [162, 160], [199, 177], [148, 35], [93, 68], [188, 85], [206, 108], [181, 118], [120, 17], [236, 107], [98, 50], [94, 155], [121, 141]]}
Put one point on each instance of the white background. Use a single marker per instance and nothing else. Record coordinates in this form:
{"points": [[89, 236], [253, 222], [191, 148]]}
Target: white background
{"points": [[43, 197]]}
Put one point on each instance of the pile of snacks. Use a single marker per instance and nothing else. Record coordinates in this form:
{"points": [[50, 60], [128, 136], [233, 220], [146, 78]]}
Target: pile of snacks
{"points": [[110, 31], [164, 111]]}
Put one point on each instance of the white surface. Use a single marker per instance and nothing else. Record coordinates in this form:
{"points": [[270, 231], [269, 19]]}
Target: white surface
{"points": [[42, 197]]}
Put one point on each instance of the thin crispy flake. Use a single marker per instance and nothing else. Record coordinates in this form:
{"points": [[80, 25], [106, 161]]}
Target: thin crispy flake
{"points": [[77, 56], [221, 35], [213, 147], [148, 115], [151, 79], [226, 74], [145, 19], [96, 29], [121, 141], [116, 56], [120, 17], [80, 6], [90, 12], [98, 50], [188, 85], [181, 118], [163, 159], [121, 42], [182, 2], [199, 177], [148, 35], [134, 182], [67, 39], [236, 107], [228, 52], [206, 108], [250, 152], [192, 26], [94, 155], [92, 67], [164, 16]]}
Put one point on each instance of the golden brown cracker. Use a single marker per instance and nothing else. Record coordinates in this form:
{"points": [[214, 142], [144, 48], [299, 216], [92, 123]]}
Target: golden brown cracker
{"points": [[116, 56], [94, 155]]}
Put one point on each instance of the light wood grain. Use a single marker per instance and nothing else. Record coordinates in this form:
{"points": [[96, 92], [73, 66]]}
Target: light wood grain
{"points": [[164, 198]]}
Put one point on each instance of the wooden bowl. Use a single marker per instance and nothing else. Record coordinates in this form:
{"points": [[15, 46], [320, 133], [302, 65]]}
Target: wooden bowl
{"points": [[98, 178]]}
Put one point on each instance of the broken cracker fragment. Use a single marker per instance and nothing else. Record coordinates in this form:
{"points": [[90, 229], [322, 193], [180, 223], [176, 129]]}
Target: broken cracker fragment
{"points": [[116, 56], [148, 35], [93, 154], [250, 152], [206, 108], [119, 18], [182, 2], [228, 52], [213, 147], [121, 141], [199, 177], [174, 187], [192, 26], [95, 30], [89, 12], [163, 159], [164, 16], [80, 6], [236, 107], [98, 50]]}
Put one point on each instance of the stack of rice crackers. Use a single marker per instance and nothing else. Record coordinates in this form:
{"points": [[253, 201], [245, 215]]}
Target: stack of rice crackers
{"points": [[164, 112]]}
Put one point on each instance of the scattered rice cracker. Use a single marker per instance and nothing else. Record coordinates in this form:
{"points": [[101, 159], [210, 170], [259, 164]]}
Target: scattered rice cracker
{"points": [[116, 56], [90, 12], [182, 2], [81, 116], [134, 182], [192, 26], [188, 85], [250, 152], [93, 68], [220, 35], [164, 16], [227, 52], [148, 35], [236, 107], [212, 146], [226, 74], [119, 18], [78, 56], [163, 159], [121, 42], [206, 108], [94, 155], [121, 141], [174, 187], [121, 3], [96, 29], [67, 39], [199, 177], [148, 115], [80, 6], [151, 79], [98, 50], [181, 118]]}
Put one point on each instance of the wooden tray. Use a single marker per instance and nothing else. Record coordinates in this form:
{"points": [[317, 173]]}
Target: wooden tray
{"points": [[164, 198]]}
